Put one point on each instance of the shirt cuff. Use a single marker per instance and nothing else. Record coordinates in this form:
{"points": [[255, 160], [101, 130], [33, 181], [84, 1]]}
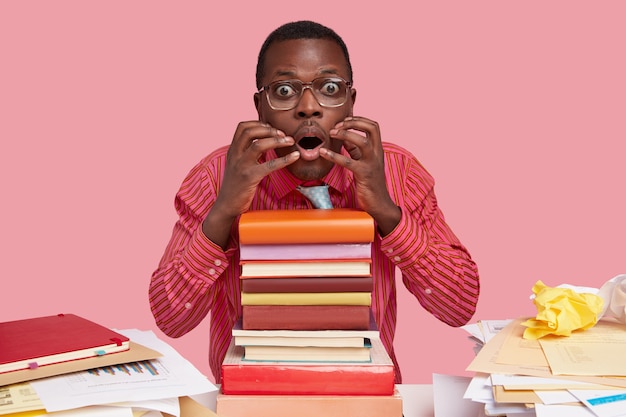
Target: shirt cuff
{"points": [[406, 243], [204, 258]]}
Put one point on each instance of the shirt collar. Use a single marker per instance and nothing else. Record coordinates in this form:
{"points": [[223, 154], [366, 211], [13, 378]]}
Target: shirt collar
{"points": [[283, 182]]}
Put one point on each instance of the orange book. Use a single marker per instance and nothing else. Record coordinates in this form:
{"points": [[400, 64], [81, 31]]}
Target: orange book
{"points": [[305, 226], [309, 405]]}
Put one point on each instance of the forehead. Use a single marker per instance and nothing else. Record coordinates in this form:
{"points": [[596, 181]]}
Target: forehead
{"points": [[304, 59]]}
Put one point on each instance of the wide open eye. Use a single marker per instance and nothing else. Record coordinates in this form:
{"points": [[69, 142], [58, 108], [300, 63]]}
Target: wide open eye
{"points": [[284, 90], [330, 87]]}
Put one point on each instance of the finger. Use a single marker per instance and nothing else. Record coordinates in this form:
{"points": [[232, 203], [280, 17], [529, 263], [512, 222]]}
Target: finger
{"points": [[279, 163], [249, 132], [354, 151], [361, 124], [338, 159], [354, 138]]}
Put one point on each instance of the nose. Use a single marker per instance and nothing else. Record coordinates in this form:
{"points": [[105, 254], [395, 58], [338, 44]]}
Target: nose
{"points": [[308, 106]]}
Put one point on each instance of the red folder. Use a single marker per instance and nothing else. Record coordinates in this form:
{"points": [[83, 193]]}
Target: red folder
{"points": [[34, 342]]}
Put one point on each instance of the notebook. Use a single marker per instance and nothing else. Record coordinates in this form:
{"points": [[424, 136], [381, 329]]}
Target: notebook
{"points": [[34, 342]]}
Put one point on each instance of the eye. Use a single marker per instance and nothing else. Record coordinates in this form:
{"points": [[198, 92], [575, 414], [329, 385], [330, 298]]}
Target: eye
{"points": [[330, 87], [284, 90]]}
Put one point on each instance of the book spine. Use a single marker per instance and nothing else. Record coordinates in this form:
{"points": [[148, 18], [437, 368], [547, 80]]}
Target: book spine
{"points": [[306, 268], [296, 317], [307, 284], [308, 379], [305, 226], [305, 251], [307, 298]]}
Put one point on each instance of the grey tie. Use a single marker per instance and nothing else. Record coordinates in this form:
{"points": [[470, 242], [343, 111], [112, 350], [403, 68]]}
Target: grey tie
{"points": [[318, 195]]}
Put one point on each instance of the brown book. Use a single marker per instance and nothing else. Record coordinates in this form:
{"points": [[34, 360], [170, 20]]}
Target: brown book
{"points": [[306, 317], [309, 405], [308, 284]]}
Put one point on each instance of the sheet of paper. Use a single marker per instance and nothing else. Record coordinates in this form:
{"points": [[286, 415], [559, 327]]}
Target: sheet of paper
{"points": [[479, 389], [502, 395], [18, 398], [603, 403], [448, 397], [595, 351], [538, 383], [166, 377], [542, 410], [165, 405], [95, 411], [556, 397], [490, 328]]}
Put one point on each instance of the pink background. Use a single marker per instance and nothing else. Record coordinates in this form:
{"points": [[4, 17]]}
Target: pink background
{"points": [[517, 109]]}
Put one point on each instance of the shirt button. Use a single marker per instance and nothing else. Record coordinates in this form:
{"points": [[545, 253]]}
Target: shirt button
{"points": [[212, 271], [396, 258], [389, 250], [187, 305], [218, 262], [428, 291]]}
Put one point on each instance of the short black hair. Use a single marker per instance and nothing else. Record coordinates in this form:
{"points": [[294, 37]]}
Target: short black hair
{"points": [[303, 29]]}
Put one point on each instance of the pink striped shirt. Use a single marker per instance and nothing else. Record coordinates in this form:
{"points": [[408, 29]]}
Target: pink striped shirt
{"points": [[195, 276]]}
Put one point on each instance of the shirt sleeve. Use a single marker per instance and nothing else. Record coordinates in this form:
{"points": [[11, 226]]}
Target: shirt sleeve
{"points": [[436, 268], [180, 291]]}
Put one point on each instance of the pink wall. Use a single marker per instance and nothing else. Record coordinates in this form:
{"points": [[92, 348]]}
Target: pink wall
{"points": [[517, 109]]}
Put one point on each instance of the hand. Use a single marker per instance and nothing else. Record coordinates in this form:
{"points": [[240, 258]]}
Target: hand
{"points": [[363, 142], [242, 174]]}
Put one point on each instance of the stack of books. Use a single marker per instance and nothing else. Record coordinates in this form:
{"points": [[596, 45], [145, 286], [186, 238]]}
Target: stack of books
{"points": [[583, 374], [307, 342]]}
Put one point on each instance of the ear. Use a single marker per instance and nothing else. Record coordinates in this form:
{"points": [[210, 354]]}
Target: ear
{"points": [[352, 100], [257, 104]]}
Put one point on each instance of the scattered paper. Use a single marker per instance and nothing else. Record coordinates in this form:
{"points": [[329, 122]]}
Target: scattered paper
{"points": [[603, 403], [169, 376], [598, 351]]}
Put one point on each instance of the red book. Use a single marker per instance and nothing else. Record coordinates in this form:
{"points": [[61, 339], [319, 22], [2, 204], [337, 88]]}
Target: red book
{"points": [[34, 342], [305, 226], [307, 284], [305, 251], [306, 317], [244, 377]]}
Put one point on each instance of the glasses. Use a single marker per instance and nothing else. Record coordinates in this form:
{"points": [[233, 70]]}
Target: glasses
{"points": [[286, 94]]}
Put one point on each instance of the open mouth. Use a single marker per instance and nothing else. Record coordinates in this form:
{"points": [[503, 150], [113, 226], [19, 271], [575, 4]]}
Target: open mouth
{"points": [[309, 142]]}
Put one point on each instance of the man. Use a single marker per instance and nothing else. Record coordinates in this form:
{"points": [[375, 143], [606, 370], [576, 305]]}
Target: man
{"points": [[306, 131]]}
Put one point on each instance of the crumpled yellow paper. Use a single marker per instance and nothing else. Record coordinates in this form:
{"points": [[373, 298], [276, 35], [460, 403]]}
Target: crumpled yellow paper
{"points": [[560, 311]]}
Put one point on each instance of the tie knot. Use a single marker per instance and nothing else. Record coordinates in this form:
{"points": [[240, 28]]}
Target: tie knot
{"points": [[312, 183], [318, 195]]}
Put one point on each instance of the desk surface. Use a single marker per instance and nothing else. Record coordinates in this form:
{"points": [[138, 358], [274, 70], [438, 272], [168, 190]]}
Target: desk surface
{"points": [[417, 400]]}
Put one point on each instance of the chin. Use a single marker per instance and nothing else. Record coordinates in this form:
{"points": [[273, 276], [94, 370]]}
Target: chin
{"points": [[310, 170]]}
